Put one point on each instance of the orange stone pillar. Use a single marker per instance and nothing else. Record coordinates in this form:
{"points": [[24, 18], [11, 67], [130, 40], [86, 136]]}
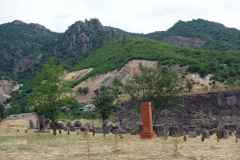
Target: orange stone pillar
{"points": [[147, 121]]}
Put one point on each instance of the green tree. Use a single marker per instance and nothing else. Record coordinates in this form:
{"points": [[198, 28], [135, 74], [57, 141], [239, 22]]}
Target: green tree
{"points": [[189, 85], [117, 82], [51, 94], [79, 90], [1, 110], [155, 85], [85, 90], [104, 102]]}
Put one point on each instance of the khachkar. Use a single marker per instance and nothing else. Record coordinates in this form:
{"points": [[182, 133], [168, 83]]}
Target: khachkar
{"points": [[147, 121]]}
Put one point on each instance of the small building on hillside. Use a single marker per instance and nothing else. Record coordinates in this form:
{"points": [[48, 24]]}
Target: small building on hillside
{"points": [[88, 107]]}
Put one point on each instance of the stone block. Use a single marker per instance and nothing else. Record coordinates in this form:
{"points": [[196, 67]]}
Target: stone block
{"points": [[225, 134], [32, 124], [219, 134], [221, 101], [231, 100], [192, 135], [205, 134], [78, 124], [134, 132], [42, 122]]}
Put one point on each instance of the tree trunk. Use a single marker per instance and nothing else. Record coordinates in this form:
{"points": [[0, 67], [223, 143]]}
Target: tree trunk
{"points": [[54, 127], [1, 109]]}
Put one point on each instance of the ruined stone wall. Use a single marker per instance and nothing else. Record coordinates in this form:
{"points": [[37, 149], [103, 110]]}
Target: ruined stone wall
{"points": [[201, 110]]}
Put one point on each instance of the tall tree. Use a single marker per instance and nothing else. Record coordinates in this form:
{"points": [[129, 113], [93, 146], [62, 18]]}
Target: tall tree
{"points": [[51, 94], [1, 110], [156, 85], [104, 102], [189, 85]]}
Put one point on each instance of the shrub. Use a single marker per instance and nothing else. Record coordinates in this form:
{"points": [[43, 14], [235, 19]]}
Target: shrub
{"points": [[185, 138]]}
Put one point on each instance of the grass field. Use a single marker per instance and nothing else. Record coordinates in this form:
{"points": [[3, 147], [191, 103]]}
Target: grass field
{"points": [[20, 145]]}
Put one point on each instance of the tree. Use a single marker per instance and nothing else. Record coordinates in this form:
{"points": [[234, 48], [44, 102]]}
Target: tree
{"points": [[189, 85], [79, 90], [156, 85], [1, 110], [51, 94], [104, 102], [85, 90], [117, 82]]}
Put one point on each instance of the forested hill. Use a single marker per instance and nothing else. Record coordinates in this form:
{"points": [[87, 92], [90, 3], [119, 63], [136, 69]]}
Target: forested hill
{"points": [[225, 65], [200, 34], [79, 40], [18, 40]]}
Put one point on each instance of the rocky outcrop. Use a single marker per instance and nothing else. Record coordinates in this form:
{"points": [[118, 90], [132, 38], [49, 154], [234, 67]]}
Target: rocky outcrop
{"points": [[196, 43]]}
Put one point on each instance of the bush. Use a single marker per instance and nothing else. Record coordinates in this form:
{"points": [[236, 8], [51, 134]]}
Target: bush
{"points": [[117, 82]]}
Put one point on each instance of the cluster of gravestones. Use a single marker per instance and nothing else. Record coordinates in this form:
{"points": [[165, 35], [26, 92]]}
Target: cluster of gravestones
{"points": [[42, 123]]}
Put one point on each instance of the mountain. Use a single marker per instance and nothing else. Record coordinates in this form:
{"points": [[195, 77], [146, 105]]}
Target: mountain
{"points": [[18, 40], [199, 34], [80, 40]]}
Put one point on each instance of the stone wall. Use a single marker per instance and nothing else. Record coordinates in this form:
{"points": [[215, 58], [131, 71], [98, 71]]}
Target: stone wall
{"points": [[208, 110]]}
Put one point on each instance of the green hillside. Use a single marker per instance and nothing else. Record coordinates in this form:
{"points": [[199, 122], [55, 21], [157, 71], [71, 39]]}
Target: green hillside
{"points": [[216, 35], [18, 40], [115, 54]]}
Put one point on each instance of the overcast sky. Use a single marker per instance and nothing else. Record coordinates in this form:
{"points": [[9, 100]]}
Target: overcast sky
{"points": [[139, 16]]}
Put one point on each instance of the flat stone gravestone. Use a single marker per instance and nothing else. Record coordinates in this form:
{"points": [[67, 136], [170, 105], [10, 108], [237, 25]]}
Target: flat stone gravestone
{"points": [[32, 125], [225, 134], [192, 135], [205, 134], [147, 121], [41, 124]]}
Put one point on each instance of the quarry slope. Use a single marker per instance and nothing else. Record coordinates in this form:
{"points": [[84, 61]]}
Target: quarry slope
{"points": [[124, 75]]}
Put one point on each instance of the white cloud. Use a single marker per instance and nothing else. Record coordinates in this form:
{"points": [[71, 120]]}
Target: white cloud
{"points": [[140, 16]]}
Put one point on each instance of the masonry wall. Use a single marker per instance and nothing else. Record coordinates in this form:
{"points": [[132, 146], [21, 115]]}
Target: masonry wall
{"points": [[211, 109]]}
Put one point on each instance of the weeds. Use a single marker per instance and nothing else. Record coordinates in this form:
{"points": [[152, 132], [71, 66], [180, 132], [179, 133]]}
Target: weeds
{"points": [[185, 138], [93, 134], [26, 130], [88, 147], [68, 133], [202, 139], [60, 131], [176, 148]]}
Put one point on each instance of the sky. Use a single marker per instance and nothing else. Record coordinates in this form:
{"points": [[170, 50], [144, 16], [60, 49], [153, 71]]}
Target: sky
{"points": [[137, 16]]}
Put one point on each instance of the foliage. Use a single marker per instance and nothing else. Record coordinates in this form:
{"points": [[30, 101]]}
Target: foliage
{"points": [[117, 82], [189, 85], [216, 35], [1, 111], [51, 95], [117, 53], [184, 138], [104, 102], [156, 85]]}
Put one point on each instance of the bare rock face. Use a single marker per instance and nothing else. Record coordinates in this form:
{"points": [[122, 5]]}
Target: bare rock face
{"points": [[196, 43], [4, 53]]}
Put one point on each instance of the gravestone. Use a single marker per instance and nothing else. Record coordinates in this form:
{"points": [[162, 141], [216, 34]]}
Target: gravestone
{"points": [[32, 125], [42, 122], [225, 134], [219, 134], [41, 125], [192, 135], [147, 121], [205, 134]]}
